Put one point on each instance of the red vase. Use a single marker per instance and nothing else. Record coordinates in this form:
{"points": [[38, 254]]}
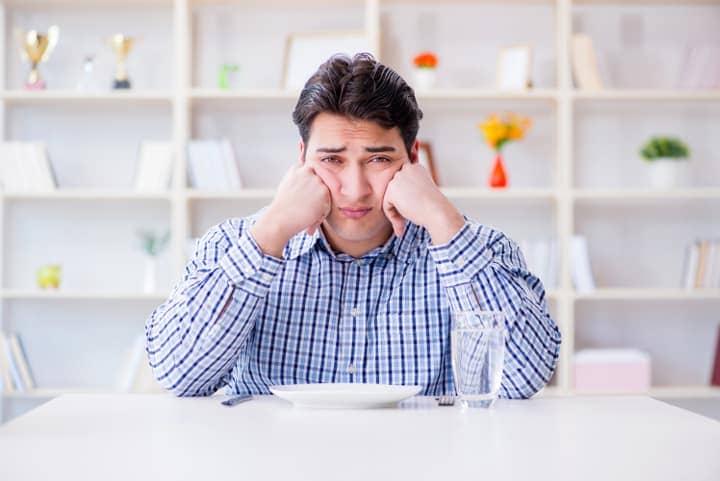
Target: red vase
{"points": [[498, 177]]}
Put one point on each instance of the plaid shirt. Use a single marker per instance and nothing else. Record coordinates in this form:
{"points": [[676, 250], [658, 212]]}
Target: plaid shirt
{"points": [[247, 320]]}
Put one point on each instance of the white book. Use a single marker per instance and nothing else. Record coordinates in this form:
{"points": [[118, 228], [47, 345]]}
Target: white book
{"points": [[13, 174], [129, 368], [14, 370], [154, 166], [231, 167], [691, 260], [584, 62], [206, 166], [21, 361], [44, 177], [5, 367], [580, 261]]}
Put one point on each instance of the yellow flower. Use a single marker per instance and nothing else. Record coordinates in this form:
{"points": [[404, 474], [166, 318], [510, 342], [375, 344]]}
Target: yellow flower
{"points": [[499, 130]]}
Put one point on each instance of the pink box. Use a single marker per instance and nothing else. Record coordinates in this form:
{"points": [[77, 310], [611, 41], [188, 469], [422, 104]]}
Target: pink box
{"points": [[611, 371]]}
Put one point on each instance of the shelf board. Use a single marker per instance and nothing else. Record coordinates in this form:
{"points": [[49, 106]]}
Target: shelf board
{"points": [[622, 195], [83, 194], [646, 94], [264, 194], [658, 392], [498, 194], [25, 96], [243, 94], [36, 294], [649, 294], [486, 94]]}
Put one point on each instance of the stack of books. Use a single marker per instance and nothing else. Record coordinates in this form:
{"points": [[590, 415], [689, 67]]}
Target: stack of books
{"points": [[15, 374], [25, 167], [702, 264]]}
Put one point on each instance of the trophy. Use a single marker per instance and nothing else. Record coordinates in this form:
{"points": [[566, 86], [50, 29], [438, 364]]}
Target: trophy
{"points": [[121, 45], [36, 48]]}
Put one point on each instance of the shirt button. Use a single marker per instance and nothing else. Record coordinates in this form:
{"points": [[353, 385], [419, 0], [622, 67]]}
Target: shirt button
{"points": [[359, 262], [354, 312], [351, 368], [267, 277], [214, 330]]}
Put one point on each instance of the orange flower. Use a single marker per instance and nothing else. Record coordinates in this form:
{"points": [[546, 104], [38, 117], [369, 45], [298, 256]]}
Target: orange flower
{"points": [[425, 60], [500, 130]]}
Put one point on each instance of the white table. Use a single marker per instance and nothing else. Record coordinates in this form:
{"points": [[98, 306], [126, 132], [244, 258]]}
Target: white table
{"points": [[160, 437]]}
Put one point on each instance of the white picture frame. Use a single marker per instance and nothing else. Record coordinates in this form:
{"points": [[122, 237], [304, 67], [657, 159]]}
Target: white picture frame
{"points": [[306, 51], [513, 67]]}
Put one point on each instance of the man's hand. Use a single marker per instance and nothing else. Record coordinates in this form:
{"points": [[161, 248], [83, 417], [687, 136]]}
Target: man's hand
{"points": [[302, 202], [412, 195]]}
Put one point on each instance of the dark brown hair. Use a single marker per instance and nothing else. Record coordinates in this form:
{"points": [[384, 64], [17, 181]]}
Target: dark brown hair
{"points": [[359, 88]]}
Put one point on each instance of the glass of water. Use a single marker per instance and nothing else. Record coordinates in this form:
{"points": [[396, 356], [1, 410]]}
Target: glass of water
{"points": [[478, 350]]}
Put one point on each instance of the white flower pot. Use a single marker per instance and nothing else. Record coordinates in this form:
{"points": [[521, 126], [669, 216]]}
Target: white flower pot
{"points": [[424, 78], [668, 173], [150, 281]]}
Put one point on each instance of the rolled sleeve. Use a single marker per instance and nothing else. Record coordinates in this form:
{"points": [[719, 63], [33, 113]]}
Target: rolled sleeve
{"points": [[248, 268], [460, 260]]}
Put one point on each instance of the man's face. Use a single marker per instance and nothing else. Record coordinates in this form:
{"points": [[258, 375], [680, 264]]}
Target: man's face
{"points": [[356, 159]]}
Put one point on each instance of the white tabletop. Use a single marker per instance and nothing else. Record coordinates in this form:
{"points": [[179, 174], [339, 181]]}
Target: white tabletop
{"points": [[161, 437]]}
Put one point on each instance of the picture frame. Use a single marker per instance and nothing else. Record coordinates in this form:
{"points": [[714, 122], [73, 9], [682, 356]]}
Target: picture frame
{"points": [[306, 51], [425, 158], [513, 67]]}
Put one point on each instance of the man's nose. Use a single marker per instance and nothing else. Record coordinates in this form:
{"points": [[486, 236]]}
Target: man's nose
{"points": [[354, 183]]}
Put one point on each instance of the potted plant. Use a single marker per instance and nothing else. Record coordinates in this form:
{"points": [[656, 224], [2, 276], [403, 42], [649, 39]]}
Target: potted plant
{"points": [[498, 131], [152, 244], [424, 74], [667, 161]]}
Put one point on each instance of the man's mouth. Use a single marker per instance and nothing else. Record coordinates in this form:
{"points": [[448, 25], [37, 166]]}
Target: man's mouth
{"points": [[355, 213]]}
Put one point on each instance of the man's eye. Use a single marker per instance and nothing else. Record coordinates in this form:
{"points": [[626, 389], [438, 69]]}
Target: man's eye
{"points": [[380, 159], [330, 160]]}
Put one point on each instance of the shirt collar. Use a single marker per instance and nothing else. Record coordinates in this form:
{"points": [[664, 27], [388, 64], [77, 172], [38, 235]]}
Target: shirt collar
{"points": [[402, 248]]}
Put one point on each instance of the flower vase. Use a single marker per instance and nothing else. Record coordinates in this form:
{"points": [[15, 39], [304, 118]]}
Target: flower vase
{"points": [[150, 282], [498, 177], [424, 78]]}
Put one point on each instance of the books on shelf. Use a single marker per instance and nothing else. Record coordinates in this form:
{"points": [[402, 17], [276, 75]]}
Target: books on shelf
{"points": [[715, 376], [700, 68], [541, 257], [212, 165], [14, 367], [135, 373], [581, 271], [25, 167], [154, 166], [701, 268], [584, 63]]}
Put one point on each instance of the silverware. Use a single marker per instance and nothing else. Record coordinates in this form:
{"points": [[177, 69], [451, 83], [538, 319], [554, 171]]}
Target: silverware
{"points": [[446, 400], [236, 400]]}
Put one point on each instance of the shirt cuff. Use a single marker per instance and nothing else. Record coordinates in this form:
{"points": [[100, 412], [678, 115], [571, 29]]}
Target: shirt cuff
{"points": [[464, 257], [248, 268]]}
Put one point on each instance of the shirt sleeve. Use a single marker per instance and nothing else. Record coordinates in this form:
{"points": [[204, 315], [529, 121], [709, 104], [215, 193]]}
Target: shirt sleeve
{"points": [[193, 339], [481, 268]]}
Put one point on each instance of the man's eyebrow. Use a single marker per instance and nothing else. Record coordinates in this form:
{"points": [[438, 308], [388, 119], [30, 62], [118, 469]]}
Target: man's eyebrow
{"points": [[331, 150], [384, 148], [372, 150]]}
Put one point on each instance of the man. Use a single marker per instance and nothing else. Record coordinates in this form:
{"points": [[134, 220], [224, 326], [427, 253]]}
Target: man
{"points": [[351, 273]]}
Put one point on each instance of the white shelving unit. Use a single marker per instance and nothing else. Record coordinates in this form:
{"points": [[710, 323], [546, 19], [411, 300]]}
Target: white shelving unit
{"points": [[567, 177]]}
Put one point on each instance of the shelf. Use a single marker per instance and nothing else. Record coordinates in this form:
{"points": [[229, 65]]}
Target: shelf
{"points": [[486, 94], [657, 392], [53, 96], [241, 194], [622, 195], [81, 194], [31, 294], [500, 194], [641, 294], [51, 393], [647, 94], [244, 94]]}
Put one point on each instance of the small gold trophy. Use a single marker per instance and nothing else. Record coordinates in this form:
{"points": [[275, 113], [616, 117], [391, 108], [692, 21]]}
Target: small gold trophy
{"points": [[36, 48], [121, 45]]}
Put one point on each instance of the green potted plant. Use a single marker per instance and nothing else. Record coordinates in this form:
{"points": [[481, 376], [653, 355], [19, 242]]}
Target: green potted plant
{"points": [[152, 243], [667, 160]]}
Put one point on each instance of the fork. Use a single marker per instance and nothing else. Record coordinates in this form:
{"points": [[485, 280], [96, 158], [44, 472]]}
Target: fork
{"points": [[446, 400]]}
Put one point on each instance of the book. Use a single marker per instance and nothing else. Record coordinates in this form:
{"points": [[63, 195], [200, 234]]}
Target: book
{"points": [[154, 166], [580, 265], [584, 63], [212, 165], [12, 365], [715, 377], [25, 167], [129, 368], [5, 367], [21, 361]]}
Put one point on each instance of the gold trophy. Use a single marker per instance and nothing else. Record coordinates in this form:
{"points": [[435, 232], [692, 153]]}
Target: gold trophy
{"points": [[36, 48], [121, 45]]}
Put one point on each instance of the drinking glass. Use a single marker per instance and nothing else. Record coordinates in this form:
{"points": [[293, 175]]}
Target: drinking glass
{"points": [[478, 350]]}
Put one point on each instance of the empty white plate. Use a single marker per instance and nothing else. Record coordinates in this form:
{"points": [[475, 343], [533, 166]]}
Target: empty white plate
{"points": [[344, 395]]}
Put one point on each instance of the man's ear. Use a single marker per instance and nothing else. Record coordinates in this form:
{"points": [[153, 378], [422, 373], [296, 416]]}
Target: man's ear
{"points": [[302, 152], [414, 152]]}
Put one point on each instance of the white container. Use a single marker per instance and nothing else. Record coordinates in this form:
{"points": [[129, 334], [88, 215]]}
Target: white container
{"points": [[668, 173], [424, 78]]}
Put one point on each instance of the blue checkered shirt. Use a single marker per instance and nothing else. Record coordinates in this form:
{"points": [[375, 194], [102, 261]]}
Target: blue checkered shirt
{"points": [[246, 320]]}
